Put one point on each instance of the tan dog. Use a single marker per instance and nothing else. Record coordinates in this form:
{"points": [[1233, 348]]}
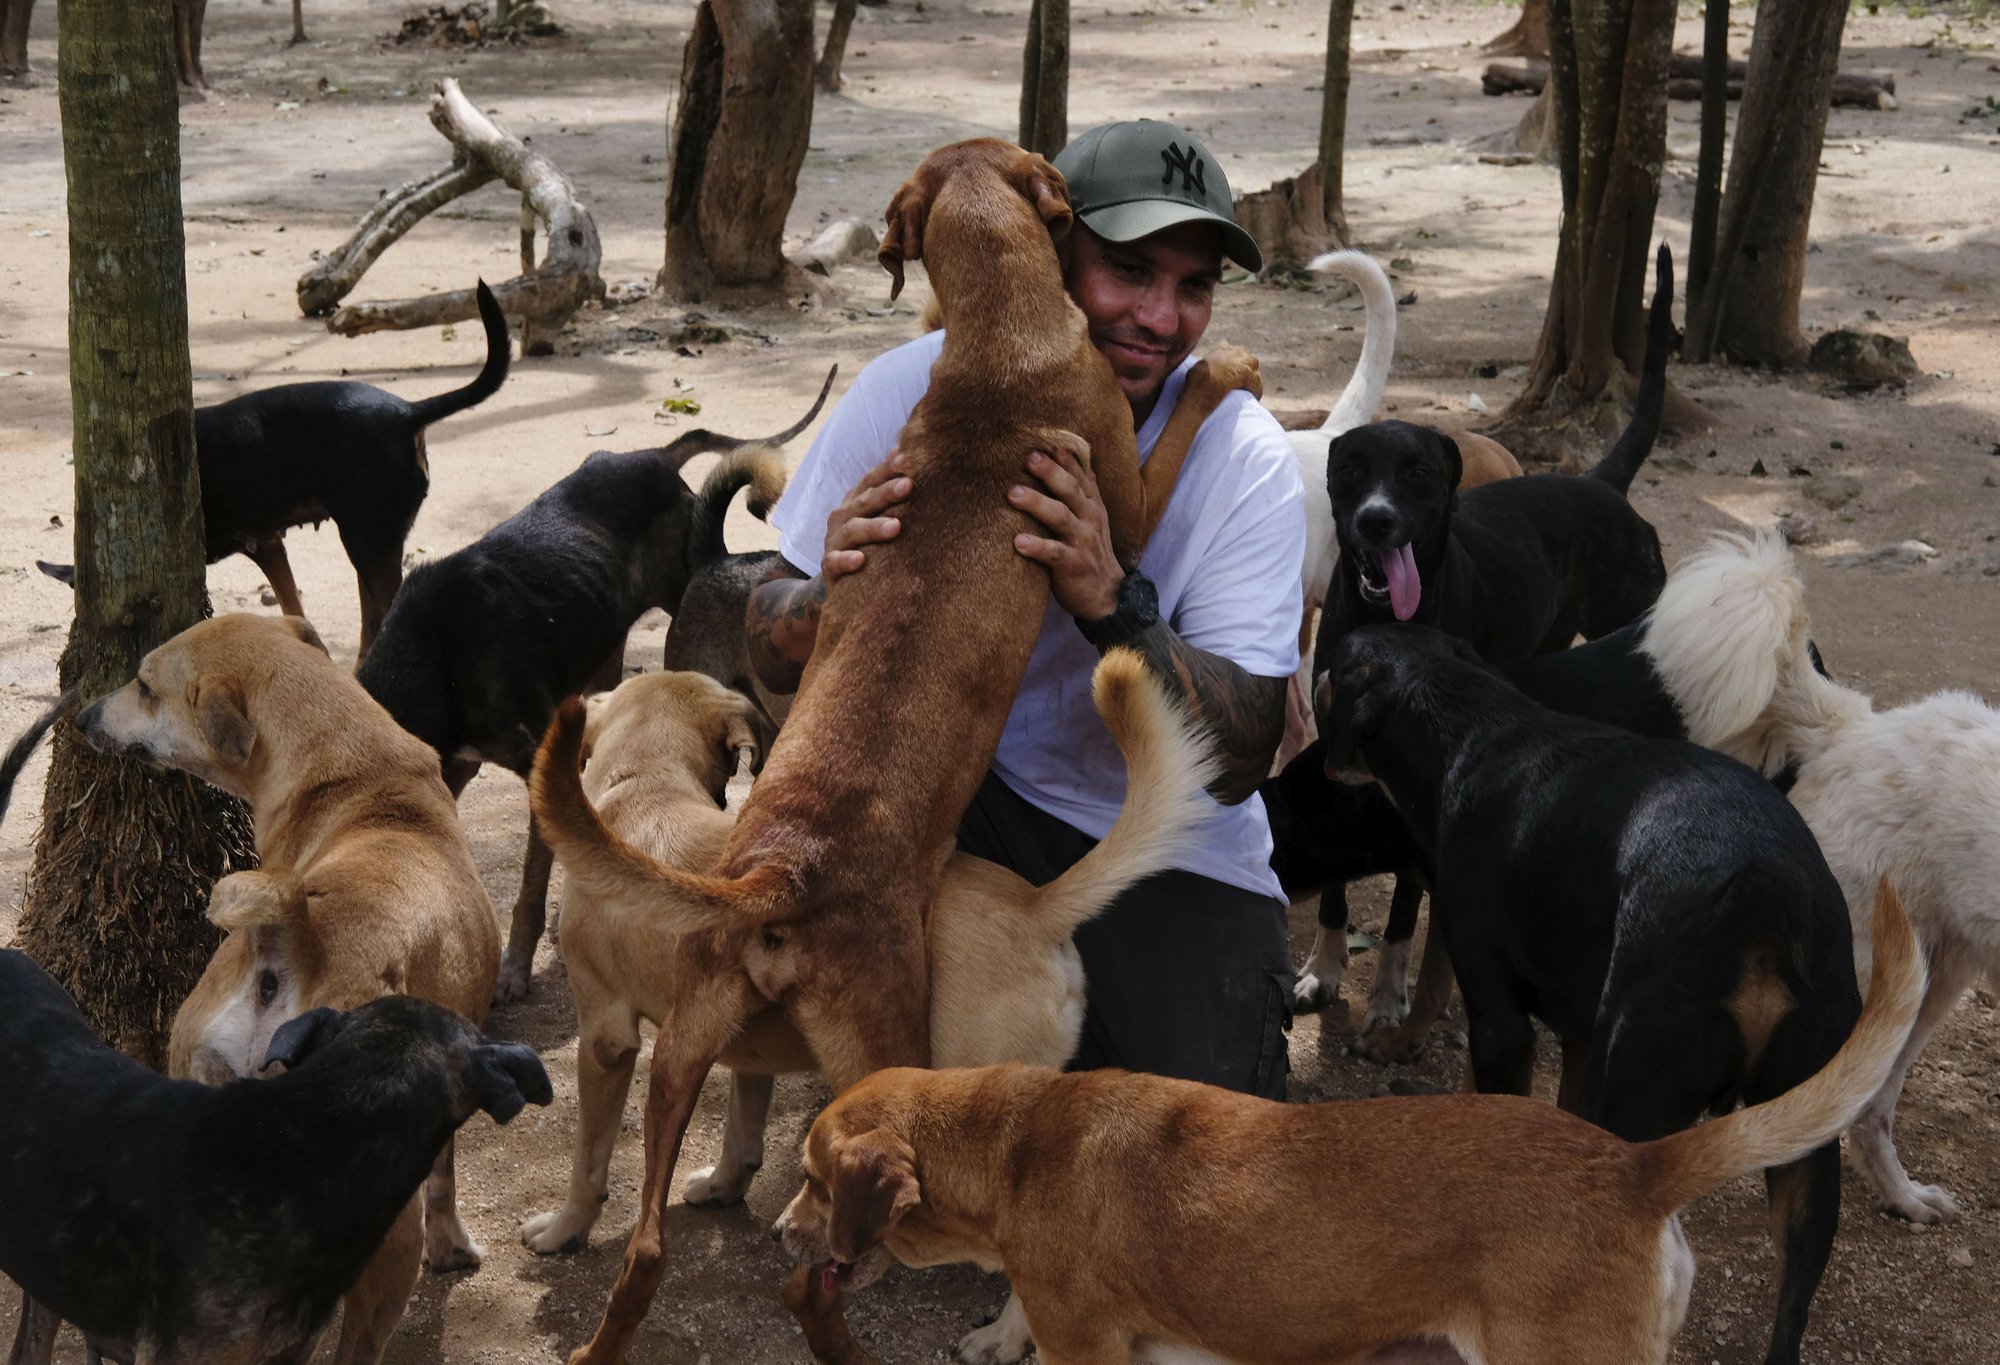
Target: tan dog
{"points": [[366, 885], [1142, 1215], [819, 903], [1006, 983]]}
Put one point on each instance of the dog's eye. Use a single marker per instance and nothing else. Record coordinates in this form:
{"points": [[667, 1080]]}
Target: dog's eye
{"points": [[144, 691], [1349, 473], [1417, 474], [267, 986]]}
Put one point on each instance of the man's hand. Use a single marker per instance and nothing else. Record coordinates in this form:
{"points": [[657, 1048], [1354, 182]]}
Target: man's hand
{"points": [[1084, 574], [858, 521]]}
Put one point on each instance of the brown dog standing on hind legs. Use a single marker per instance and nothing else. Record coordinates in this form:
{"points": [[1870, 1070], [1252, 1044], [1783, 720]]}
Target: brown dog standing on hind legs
{"points": [[818, 905], [366, 887]]}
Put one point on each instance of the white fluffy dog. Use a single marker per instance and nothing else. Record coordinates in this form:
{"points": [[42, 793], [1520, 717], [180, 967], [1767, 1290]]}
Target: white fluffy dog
{"points": [[1911, 794]]}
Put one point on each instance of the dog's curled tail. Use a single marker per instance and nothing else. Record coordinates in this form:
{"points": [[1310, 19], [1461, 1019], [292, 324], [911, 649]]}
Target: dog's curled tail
{"points": [[678, 902], [1621, 463], [491, 375], [760, 468], [17, 753], [1680, 1168], [1363, 394], [1727, 637], [1168, 763]]}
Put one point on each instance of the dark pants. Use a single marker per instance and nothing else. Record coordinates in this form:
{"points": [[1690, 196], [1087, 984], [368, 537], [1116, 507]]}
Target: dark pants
{"points": [[1186, 976]]}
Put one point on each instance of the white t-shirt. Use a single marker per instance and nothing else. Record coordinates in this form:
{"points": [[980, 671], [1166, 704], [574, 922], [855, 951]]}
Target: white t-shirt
{"points": [[1225, 558]]}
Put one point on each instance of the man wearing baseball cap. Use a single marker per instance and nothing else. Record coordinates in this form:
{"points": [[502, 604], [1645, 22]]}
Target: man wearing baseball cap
{"points": [[1189, 973]]}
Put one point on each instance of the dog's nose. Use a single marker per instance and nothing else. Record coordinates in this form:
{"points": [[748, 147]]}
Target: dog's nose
{"points": [[778, 1232], [1375, 523]]}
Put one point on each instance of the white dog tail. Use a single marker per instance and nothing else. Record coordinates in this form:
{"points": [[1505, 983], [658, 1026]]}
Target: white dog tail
{"points": [[1168, 764], [1685, 1166], [1728, 640], [1370, 379]]}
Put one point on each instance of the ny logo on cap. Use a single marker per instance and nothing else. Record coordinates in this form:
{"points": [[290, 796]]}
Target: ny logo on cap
{"points": [[1188, 164]]}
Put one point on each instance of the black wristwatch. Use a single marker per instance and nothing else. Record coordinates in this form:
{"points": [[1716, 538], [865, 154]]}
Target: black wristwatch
{"points": [[1138, 607]]}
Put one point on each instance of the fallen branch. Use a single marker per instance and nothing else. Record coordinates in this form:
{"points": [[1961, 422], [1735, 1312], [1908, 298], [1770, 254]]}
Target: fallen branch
{"points": [[1850, 89], [543, 296]]}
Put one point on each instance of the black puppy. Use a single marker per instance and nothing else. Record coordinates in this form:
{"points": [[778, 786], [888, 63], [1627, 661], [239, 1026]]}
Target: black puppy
{"points": [[483, 644], [1518, 566], [335, 450], [1661, 908], [177, 1222]]}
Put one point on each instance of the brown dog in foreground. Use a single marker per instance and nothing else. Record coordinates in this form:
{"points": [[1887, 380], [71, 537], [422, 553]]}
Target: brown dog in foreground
{"points": [[1139, 1214], [366, 885], [818, 906], [1006, 982]]}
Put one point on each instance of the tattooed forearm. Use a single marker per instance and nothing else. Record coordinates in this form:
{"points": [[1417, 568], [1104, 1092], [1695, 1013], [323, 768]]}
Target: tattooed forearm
{"points": [[780, 625], [1245, 714]]}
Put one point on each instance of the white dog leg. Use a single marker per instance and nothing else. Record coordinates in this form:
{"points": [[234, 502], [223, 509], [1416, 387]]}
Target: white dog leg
{"points": [[1389, 1002], [728, 1180], [1002, 1341], [1872, 1138], [1318, 985]]}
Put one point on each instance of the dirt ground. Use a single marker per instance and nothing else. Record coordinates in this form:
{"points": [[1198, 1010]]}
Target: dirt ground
{"points": [[294, 143]]}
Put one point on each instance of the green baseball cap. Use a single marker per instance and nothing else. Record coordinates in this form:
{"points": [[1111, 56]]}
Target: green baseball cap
{"points": [[1131, 180]]}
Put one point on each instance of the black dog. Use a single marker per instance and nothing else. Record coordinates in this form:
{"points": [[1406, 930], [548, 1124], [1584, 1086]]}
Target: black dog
{"points": [[177, 1222], [709, 633], [336, 450], [1661, 908], [482, 645], [1518, 566]]}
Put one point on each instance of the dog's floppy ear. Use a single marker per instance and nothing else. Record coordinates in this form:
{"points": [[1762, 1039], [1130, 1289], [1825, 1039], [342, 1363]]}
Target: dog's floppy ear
{"points": [[745, 730], [505, 1077], [303, 628], [903, 237], [1045, 188], [874, 1184], [224, 724], [1453, 459], [298, 1038]]}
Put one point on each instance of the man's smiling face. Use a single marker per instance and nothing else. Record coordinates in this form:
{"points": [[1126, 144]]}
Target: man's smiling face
{"points": [[1147, 302]]}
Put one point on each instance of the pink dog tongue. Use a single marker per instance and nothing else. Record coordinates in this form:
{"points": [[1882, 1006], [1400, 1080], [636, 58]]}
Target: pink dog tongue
{"points": [[1400, 567]]}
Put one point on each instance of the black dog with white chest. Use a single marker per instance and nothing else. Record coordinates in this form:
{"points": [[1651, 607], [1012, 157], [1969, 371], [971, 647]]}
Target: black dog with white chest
{"points": [[1661, 908], [1518, 566], [483, 644], [178, 1223]]}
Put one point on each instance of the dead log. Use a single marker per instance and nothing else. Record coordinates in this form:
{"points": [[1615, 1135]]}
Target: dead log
{"points": [[1851, 89], [543, 296], [1289, 219]]}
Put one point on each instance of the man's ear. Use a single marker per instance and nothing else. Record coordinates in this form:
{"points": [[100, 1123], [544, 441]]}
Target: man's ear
{"points": [[1049, 193], [224, 725], [303, 628], [874, 1184], [298, 1038]]}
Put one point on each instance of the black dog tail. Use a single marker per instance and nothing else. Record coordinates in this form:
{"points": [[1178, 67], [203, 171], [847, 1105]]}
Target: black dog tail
{"points": [[1621, 464], [491, 375], [17, 756]]}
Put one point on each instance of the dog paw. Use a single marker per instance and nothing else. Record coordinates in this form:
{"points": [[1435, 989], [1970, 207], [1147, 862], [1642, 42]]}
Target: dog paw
{"points": [[1386, 1011], [1002, 1342], [1922, 1204], [711, 1187], [1386, 1049], [449, 1256], [512, 983], [1312, 993], [557, 1232]]}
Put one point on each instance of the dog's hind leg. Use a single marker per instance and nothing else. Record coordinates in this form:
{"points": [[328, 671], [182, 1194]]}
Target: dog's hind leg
{"points": [[1873, 1135], [447, 1245], [531, 914], [1427, 1006], [607, 1045], [728, 1180], [269, 555], [34, 1334], [372, 1309], [1805, 1214], [378, 578], [691, 1038]]}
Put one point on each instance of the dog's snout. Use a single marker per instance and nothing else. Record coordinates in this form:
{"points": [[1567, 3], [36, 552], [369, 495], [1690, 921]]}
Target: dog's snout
{"points": [[1375, 522], [778, 1232]]}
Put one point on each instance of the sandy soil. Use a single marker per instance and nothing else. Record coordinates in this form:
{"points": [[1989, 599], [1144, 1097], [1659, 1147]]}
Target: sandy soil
{"points": [[294, 144]]}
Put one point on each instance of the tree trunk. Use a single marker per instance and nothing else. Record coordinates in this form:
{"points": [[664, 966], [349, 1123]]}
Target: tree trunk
{"points": [[827, 74], [1749, 308], [1708, 165], [126, 855], [188, 16], [14, 16], [1608, 118], [1045, 79], [1333, 119], [739, 138], [1530, 35]]}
